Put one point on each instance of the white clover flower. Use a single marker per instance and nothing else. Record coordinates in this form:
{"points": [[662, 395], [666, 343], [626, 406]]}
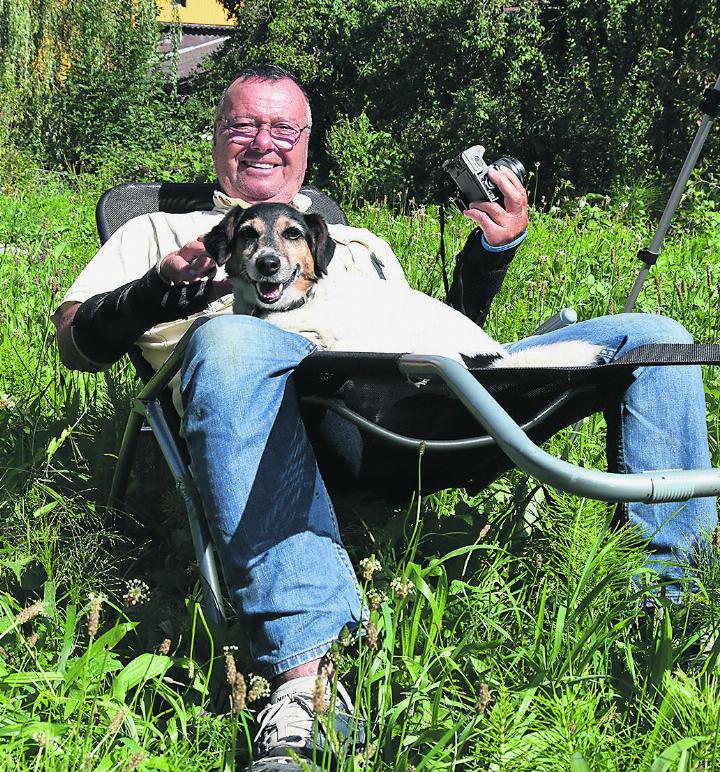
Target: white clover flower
{"points": [[402, 587], [369, 567], [136, 592]]}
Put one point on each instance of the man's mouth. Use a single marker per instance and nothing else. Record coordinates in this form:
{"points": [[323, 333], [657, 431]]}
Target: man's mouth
{"points": [[270, 292], [258, 165]]}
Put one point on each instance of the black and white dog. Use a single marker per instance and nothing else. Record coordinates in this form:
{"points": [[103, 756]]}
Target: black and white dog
{"points": [[277, 258]]}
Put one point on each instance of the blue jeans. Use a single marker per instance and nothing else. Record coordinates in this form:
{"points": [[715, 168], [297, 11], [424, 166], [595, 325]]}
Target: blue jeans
{"points": [[272, 519]]}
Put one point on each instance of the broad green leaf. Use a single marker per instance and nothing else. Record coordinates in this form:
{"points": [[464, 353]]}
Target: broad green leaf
{"points": [[143, 668]]}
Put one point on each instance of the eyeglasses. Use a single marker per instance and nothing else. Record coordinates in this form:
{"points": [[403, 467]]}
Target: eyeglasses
{"points": [[243, 131]]}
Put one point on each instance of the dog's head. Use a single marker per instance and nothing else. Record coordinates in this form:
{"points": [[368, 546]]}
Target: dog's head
{"points": [[272, 253]]}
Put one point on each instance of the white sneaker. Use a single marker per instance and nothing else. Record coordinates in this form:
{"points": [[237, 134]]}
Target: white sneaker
{"points": [[289, 728]]}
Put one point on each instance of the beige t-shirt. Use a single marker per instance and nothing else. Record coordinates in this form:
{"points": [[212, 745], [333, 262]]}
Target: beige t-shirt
{"points": [[142, 242]]}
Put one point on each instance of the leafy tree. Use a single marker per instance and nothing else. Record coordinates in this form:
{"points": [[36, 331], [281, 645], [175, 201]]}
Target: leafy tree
{"points": [[593, 92]]}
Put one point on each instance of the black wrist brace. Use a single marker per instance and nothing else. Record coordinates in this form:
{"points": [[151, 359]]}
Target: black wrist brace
{"points": [[106, 326]]}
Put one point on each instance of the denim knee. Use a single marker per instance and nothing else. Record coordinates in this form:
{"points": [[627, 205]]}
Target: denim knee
{"points": [[231, 344], [652, 328]]}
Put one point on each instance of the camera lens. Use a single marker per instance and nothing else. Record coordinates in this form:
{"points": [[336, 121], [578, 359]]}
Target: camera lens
{"points": [[515, 167]]}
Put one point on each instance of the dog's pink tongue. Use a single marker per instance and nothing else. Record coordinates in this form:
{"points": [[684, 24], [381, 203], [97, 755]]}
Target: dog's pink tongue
{"points": [[270, 291]]}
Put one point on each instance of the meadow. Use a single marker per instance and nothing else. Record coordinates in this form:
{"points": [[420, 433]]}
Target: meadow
{"points": [[507, 627]]}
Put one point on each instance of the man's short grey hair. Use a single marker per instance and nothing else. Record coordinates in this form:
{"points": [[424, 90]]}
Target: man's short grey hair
{"points": [[269, 72]]}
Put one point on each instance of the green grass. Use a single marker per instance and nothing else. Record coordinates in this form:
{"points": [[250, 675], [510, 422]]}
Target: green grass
{"points": [[509, 635]]}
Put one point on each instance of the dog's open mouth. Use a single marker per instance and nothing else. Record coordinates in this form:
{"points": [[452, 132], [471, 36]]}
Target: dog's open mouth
{"points": [[270, 292]]}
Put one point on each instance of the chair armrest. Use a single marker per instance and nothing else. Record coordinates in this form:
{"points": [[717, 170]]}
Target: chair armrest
{"points": [[561, 319], [650, 487]]}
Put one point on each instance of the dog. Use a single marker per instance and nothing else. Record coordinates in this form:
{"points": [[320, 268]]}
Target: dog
{"points": [[277, 260]]}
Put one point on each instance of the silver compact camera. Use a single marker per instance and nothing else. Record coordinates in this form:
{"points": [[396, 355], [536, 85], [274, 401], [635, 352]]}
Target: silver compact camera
{"points": [[469, 172]]}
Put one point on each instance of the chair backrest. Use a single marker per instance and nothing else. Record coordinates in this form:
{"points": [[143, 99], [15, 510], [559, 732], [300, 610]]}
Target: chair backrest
{"points": [[123, 202]]}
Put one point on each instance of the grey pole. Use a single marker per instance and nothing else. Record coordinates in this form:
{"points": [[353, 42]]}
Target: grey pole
{"points": [[649, 255]]}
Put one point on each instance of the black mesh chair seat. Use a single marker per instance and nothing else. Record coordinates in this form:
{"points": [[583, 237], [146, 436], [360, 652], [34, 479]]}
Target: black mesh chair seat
{"points": [[371, 386]]}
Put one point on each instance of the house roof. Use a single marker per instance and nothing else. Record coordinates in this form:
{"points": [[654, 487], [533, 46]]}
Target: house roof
{"points": [[196, 43]]}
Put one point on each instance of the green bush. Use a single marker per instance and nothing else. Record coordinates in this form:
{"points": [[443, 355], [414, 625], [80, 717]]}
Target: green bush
{"points": [[594, 93], [364, 162]]}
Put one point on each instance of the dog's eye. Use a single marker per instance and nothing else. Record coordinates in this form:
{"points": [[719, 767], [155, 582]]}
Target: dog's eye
{"points": [[248, 233], [292, 233]]}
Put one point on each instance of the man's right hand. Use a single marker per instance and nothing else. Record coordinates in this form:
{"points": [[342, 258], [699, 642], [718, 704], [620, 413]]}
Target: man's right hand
{"points": [[192, 263], [188, 264]]}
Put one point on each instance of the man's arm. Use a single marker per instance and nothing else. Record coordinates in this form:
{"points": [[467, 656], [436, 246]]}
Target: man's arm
{"points": [[481, 266], [95, 334]]}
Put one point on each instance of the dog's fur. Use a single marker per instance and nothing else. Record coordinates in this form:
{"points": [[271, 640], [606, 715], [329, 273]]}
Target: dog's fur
{"points": [[277, 260]]}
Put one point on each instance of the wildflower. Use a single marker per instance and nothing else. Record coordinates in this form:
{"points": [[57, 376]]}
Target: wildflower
{"points": [[33, 639], [136, 592], [369, 567], [132, 764], [238, 693], [259, 688], [716, 537], [164, 647], [7, 402], [364, 757], [345, 639], [572, 727], [30, 612], [116, 722], [371, 636], [36, 280], [42, 739], [402, 587], [484, 531], [539, 561], [54, 287], [375, 599], [230, 667], [319, 703], [93, 622], [483, 699]]}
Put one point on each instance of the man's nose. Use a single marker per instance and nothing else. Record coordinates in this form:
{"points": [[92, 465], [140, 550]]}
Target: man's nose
{"points": [[268, 265], [263, 141]]}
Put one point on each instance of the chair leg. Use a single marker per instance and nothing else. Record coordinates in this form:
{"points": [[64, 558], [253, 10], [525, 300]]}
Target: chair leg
{"points": [[202, 542], [118, 487]]}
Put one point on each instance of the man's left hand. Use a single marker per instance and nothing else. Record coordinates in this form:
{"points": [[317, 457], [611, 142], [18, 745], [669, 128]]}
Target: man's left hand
{"points": [[502, 225]]}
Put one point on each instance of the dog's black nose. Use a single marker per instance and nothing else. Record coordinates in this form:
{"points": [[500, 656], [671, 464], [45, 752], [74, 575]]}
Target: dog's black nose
{"points": [[268, 265]]}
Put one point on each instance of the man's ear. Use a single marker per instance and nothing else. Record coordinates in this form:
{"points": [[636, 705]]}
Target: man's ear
{"points": [[322, 246], [219, 240]]}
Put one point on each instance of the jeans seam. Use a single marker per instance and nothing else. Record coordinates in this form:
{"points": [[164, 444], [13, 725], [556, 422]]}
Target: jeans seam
{"points": [[342, 553]]}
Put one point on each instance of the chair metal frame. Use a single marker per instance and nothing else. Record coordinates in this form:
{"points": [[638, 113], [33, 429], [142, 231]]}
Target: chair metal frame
{"points": [[501, 430]]}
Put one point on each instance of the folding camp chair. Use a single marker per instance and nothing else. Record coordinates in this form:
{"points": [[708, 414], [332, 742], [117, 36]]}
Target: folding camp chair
{"points": [[378, 397]]}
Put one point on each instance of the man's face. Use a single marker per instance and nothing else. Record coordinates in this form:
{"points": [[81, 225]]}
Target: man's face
{"points": [[257, 170]]}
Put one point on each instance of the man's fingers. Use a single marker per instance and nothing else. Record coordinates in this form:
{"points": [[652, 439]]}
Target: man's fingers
{"points": [[190, 263], [512, 189], [493, 210]]}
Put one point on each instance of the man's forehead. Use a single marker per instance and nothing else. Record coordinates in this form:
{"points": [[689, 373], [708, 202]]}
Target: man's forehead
{"points": [[277, 97]]}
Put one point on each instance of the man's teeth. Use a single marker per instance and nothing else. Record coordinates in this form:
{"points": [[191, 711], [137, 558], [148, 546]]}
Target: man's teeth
{"points": [[257, 165]]}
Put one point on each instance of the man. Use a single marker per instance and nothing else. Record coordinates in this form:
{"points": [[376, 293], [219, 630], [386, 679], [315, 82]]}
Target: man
{"points": [[267, 505]]}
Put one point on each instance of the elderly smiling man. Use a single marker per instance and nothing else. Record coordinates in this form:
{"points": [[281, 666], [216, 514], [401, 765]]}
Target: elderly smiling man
{"points": [[276, 532]]}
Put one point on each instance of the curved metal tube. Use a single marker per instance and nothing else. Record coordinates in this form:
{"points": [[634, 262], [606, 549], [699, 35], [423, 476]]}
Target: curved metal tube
{"points": [[650, 487], [414, 443]]}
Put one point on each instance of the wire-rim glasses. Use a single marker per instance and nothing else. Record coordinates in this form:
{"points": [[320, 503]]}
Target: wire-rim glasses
{"points": [[243, 131]]}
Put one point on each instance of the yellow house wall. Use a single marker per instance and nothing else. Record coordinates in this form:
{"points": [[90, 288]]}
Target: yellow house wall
{"points": [[193, 12]]}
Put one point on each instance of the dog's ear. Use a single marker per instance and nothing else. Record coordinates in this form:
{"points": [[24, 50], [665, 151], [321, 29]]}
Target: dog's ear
{"points": [[322, 246], [218, 241]]}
